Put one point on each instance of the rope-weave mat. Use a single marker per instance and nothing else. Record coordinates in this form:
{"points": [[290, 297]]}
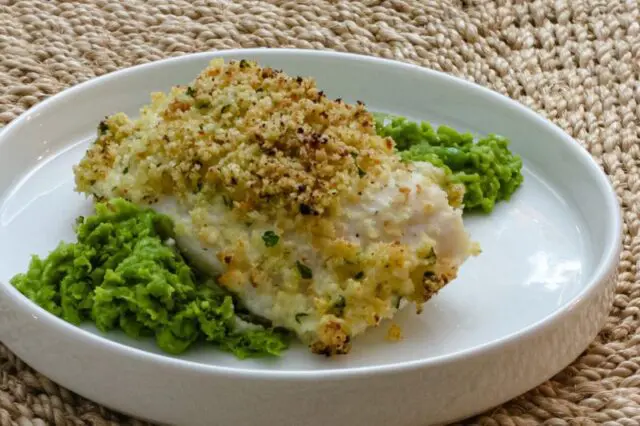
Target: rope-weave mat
{"points": [[575, 61]]}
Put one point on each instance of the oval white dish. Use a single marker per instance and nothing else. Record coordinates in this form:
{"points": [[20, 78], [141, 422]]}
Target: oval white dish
{"points": [[517, 314]]}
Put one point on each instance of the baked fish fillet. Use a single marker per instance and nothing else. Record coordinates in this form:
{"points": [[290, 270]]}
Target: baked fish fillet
{"points": [[289, 198]]}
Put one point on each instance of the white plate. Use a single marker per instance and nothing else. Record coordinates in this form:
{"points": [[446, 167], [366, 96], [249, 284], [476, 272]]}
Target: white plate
{"points": [[517, 314]]}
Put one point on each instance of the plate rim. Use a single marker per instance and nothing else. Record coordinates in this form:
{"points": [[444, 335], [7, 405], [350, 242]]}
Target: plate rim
{"points": [[607, 264]]}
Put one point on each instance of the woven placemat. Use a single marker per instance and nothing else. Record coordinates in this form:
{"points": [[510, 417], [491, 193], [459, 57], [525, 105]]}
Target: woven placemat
{"points": [[575, 61]]}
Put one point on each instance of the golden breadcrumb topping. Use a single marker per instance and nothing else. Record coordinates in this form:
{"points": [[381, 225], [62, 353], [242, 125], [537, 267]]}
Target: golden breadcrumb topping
{"points": [[267, 141]]}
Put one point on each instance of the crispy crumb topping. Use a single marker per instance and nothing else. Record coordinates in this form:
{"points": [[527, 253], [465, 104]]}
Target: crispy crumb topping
{"points": [[266, 141]]}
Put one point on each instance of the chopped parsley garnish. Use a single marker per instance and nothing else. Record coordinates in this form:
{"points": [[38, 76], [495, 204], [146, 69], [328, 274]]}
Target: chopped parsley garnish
{"points": [[270, 238], [191, 91], [300, 315], [305, 271], [398, 300]]}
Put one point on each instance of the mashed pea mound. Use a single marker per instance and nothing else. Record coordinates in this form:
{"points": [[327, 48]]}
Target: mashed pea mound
{"points": [[488, 170], [124, 272]]}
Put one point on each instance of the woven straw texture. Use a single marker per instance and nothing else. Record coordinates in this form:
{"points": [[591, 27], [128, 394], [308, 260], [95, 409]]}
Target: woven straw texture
{"points": [[575, 61]]}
